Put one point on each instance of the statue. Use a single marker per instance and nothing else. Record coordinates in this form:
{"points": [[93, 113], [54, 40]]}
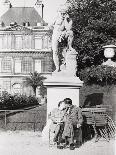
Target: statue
{"points": [[62, 30], [67, 33]]}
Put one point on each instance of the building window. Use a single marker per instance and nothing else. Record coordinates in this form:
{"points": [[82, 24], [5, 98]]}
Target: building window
{"points": [[45, 42], [17, 88], [7, 42], [49, 42], [38, 43], [27, 65], [7, 86], [0, 91], [0, 65], [17, 65], [0, 87], [18, 42], [1, 42], [7, 65], [38, 65], [27, 41]]}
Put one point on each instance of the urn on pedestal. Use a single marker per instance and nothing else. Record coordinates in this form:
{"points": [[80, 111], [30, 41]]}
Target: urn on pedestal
{"points": [[109, 52]]}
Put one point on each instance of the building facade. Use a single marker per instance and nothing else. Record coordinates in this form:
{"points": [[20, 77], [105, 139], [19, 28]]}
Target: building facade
{"points": [[25, 46]]}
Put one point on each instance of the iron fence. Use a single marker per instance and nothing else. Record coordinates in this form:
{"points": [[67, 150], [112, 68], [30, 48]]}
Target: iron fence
{"points": [[22, 119]]}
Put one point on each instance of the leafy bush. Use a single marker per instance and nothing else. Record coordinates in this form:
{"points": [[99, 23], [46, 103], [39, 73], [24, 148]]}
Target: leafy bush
{"points": [[34, 80], [101, 75], [8, 101], [94, 25], [43, 91]]}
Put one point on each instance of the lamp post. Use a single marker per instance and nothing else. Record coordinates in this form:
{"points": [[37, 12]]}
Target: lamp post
{"points": [[109, 52]]}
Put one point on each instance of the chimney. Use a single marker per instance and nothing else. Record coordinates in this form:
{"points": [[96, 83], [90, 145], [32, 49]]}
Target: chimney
{"points": [[39, 7], [6, 5]]}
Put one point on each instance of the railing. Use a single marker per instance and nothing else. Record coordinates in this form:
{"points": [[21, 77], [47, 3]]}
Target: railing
{"points": [[15, 117]]}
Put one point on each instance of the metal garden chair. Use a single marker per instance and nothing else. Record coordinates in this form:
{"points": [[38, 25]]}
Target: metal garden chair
{"points": [[102, 124]]}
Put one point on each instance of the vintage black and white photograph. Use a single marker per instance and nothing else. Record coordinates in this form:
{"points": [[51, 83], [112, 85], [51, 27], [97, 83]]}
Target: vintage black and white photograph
{"points": [[57, 77]]}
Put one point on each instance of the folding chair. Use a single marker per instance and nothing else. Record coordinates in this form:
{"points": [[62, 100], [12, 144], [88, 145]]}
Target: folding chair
{"points": [[111, 127], [89, 121], [101, 126]]}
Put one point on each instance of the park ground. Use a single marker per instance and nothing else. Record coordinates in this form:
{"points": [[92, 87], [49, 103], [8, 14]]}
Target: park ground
{"points": [[30, 143]]}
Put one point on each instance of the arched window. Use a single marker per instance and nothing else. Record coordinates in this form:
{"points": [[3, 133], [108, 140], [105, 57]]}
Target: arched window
{"points": [[17, 89]]}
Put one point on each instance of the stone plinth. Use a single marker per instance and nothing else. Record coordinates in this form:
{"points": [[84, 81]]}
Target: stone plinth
{"points": [[59, 87], [109, 62]]}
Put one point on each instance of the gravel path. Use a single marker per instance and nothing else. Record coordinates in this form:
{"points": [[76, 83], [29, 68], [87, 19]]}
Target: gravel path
{"points": [[30, 143]]}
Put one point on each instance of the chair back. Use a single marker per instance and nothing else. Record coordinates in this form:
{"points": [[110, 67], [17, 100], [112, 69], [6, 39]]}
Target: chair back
{"points": [[88, 117], [100, 119]]}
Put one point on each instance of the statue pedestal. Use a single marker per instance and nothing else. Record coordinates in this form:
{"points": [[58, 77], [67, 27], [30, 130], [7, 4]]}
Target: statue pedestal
{"points": [[59, 87]]}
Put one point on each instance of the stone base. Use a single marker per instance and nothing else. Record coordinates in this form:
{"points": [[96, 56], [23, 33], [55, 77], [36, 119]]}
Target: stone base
{"points": [[58, 88], [45, 132], [109, 62]]}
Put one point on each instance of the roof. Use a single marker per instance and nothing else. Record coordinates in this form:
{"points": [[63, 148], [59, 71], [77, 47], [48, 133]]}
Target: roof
{"points": [[21, 15]]}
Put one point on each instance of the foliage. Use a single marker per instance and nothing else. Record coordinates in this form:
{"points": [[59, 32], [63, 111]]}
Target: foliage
{"points": [[8, 101], [94, 25], [100, 75], [34, 80], [43, 91]]}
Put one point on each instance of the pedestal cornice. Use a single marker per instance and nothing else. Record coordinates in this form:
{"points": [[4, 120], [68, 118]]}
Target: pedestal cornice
{"points": [[62, 81]]}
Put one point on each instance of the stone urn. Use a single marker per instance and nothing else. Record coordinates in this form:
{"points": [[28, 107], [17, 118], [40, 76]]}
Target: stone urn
{"points": [[109, 52]]}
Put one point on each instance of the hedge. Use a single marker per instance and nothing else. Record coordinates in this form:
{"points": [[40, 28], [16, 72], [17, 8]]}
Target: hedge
{"points": [[11, 102]]}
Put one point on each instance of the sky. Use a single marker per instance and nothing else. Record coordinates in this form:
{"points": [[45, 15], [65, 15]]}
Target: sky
{"points": [[50, 7]]}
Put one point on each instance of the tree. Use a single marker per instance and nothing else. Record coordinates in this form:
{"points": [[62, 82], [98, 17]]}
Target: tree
{"points": [[94, 25], [34, 80]]}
